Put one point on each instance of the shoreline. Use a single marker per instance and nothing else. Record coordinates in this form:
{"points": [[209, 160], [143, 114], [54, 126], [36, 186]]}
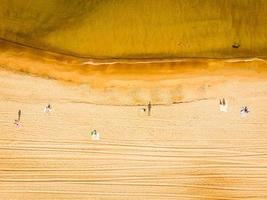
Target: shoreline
{"points": [[124, 83], [6, 44]]}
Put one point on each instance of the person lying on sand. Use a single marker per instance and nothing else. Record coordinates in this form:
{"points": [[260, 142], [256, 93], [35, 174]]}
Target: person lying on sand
{"points": [[244, 111]]}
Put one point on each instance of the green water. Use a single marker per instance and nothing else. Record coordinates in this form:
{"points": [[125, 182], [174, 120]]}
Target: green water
{"points": [[138, 28]]}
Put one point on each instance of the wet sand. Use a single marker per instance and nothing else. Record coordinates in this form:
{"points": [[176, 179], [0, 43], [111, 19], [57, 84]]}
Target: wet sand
{"points": [[188, 150], [135, 82]]}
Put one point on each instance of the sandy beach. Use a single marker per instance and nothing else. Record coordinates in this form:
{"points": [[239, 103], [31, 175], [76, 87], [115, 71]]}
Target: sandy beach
{"points": [[187, 150], [77, 79], [135, 82]]}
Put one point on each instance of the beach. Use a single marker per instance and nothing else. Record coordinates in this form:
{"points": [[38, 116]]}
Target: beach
{"points": [[133, 100], [138, 81], [184, 150]]}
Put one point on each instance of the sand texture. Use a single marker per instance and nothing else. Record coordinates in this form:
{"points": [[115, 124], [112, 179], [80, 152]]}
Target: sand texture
{"points": [[182, 151]]}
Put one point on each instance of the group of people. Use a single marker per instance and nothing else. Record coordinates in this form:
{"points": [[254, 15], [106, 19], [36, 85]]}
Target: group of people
{"points": [[96, 136], [148, 109], [223, 108], [17, 121], [48, 108]]}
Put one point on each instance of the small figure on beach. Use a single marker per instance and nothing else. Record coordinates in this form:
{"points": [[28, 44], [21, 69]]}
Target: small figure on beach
{"points": [[236, 45], [223, 102], [223, 105], [48, 109], [17, 121], [19, 115], [149, 108], [95, 135], [244, 111], [143, 111]]}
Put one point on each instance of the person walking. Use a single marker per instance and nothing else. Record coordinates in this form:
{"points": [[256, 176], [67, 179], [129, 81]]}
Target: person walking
{"points": [[149, 108]]}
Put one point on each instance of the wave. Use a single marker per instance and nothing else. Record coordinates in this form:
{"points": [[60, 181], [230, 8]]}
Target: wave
{"points": [[158, 61]]}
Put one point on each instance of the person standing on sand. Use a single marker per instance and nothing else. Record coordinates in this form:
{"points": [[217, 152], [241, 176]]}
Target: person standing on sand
{"points": [[17, 121], [19, 114], [221, 105], [149, 108], [223, 102]]}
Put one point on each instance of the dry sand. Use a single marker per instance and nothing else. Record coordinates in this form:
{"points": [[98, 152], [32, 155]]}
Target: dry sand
{"points": [[184, 151]]}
